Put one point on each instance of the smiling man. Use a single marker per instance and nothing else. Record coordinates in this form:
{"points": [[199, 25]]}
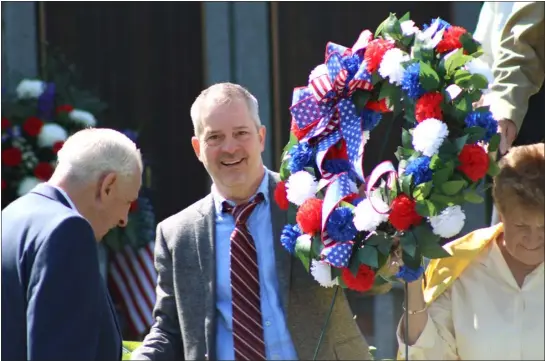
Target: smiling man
{"points": [[226, 288]]}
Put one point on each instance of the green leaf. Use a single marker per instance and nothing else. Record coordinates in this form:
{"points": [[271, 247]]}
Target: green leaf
{"points": [[368, 255], [441, 176], [473, 197], [380, 28], [428, 77], [291, 214], [316, 247], [469, 44], [479, 81], [459, 143], [436, 162], [385, 246], [442, 201], [406, 139], [462, 78], [494, 143], [405, 17], [376, 79], [455, 61], [414, 261], [408, 243], [360, 98], [393, 27], [426, 208], [428, 242], [406, 184], [493, 168], [354, 265], [302, 251], [422, 190], [474, 134], [463, 105], [451, 188]]}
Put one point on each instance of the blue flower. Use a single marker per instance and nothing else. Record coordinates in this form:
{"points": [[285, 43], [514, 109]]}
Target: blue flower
{"points": [[442, 24], [339, 226], [420, 170], [289, 237], [408, 274], [301, 156], [336, 166], [484, 120], [411, 81], [370, 119], [352, 64]]}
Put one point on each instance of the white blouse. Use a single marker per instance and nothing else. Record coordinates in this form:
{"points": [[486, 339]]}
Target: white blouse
{"points": [[485, 315]]}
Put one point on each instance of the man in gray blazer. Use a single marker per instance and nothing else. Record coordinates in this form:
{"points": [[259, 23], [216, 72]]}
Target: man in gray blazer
{"points": [[200, 312]]}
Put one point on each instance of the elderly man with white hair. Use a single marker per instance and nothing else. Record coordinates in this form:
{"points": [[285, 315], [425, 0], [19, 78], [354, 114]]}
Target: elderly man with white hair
{"points": [[55, 303]]}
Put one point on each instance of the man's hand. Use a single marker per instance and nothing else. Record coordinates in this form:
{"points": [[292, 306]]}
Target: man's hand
{"points": [[508, 133]]}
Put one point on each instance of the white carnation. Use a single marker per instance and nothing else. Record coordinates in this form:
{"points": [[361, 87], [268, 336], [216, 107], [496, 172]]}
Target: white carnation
{"points": [[408, 28], [304, 241], [51, 134], [321, 272], [26, 185], [82, 117], [317, 72], [30, 89], [391, 65], [300, 187], [449, 223], [429, 135], [366, 218], [453, 91]]}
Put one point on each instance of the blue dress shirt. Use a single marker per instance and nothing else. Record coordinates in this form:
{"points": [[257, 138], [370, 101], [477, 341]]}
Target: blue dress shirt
{"points": [[278, 343]]}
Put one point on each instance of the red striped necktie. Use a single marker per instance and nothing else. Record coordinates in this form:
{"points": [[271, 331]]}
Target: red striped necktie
{"points": [[247, 321]]}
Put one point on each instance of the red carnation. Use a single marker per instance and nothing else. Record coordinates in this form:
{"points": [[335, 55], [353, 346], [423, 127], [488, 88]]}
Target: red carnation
{"points": [[451, 39], [309, 216], [57, 146], [362, 282], [12, 157], [474, 161], [65, 108], [378, 106], [338, 151], [403, 214], [5, 123], [301, 133], [429, 106], [43, 171], [4, 184], [280, 196], [134, 206], [375, 52], [33, 126]]}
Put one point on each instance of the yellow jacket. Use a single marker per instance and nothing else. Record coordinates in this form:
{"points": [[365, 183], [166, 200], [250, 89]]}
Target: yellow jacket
{"points": [[441, 273]]}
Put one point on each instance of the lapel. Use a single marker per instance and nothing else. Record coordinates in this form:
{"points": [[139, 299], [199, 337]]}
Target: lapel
{"points": [[282, 257], [205, 238]]}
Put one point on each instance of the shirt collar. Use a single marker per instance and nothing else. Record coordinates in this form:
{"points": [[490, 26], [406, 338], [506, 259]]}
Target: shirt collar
{"points": [[65, 195], [219, 199]]}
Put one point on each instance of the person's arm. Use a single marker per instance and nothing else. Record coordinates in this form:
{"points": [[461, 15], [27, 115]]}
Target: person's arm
{"points": [[431, 331], [519, 64], [164, 341], [63, 295]]}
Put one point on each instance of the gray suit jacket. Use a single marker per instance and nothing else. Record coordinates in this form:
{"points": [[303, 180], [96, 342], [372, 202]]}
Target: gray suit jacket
{"points": [[185, 311]]}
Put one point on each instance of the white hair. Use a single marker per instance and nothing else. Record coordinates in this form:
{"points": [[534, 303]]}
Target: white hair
{"points": [[90, 153], [219, 94]]}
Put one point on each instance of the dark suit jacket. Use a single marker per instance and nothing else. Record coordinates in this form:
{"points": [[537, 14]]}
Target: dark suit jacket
{"points": [[185, 311], [55, 304]]}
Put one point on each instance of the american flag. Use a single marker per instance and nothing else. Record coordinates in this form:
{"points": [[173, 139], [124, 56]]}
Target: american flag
{"points": [[338, 255], [132, 279]]}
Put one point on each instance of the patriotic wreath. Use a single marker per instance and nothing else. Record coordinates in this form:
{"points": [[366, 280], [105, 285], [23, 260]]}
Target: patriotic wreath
{"points": [[36, 121], [347, 228]]}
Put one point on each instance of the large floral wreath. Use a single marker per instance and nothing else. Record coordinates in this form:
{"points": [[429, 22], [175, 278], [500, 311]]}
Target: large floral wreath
{"points": [[347, 228], [36, 121]]}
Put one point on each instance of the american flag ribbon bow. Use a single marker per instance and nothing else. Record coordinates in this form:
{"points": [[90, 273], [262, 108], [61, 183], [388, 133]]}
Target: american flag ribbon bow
{"points": [[327, 101]]}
